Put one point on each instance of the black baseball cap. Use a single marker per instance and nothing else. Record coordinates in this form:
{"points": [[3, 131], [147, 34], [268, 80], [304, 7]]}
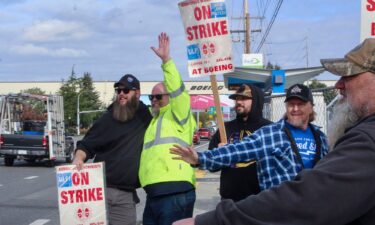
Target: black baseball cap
{"points": [[299, 91], [128, 81]]}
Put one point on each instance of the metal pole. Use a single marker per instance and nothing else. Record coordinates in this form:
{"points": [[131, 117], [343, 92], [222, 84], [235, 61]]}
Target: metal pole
{"points": [[78, 122]]}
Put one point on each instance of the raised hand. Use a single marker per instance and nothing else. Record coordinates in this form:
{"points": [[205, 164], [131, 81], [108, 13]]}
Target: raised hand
{"points": [[187, 154], [163, 50]]}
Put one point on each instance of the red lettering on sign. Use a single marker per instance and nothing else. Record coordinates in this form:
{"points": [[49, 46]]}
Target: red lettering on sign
{"points": [[80, 178], [64, 198], [370, 5], [196, 71], [81, 195], [202, 13], [207, 30], [218, 68], [372, 29]]}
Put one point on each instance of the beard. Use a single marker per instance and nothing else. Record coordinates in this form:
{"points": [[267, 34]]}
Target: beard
{"points": [[155, 112], [344, 116], [125, 112]]}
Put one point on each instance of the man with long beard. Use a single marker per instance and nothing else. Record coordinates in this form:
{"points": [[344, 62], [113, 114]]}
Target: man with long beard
{"points": [[281, 149], [341, 188], [116, 138]]}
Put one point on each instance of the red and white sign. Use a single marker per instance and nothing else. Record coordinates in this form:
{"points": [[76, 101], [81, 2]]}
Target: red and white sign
{"points": [[209, 48], [367, 19], [81, 194]]}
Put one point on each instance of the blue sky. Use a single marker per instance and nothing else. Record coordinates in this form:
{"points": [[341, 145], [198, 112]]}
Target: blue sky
{"points": [[41, 40]]}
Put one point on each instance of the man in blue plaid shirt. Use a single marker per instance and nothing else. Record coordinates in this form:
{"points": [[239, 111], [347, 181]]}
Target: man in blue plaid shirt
{"points": [[281, 149]]}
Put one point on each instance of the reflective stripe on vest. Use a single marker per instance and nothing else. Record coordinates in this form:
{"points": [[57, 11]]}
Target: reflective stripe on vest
{"points": [[177, 92], [165, 140]]}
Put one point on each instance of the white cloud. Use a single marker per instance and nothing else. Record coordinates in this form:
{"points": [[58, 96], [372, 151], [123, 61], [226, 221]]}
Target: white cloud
{"points": [[31, 49], [56, 30]]}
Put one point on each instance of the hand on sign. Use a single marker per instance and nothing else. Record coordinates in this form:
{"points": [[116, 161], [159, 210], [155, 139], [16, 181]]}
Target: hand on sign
{"points": [[163, 50], [187, 154], [222, 144], [79, 158], [188, 221]]}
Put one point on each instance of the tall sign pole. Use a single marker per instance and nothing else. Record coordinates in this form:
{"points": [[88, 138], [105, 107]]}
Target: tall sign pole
{"points": [[209, 48]]}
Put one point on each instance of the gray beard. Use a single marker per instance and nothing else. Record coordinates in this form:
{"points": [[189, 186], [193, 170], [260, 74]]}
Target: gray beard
{"points": [[343, 117], [155, 112], [125, 112]]}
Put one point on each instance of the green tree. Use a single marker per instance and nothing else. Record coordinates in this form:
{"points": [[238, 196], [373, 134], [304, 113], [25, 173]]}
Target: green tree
{"points": [[89, 100], [329, 94], [34, 108], [271, 66], [34, 90]]}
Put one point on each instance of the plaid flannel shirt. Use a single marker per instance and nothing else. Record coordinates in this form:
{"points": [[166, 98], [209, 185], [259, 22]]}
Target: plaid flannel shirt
{"points": [[270, 147]]}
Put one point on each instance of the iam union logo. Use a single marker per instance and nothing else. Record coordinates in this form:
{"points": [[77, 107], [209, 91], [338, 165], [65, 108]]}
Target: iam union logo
{"points": [[208, 48], [83, 213]]}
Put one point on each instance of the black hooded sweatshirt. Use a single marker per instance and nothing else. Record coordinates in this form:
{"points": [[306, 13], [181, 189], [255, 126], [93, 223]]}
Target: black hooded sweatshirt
{"points": [[241, 180], [119, 145]]}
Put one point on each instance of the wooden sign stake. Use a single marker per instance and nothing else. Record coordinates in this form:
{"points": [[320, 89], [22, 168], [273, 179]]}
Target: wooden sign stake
{"points": [[219, 114]]}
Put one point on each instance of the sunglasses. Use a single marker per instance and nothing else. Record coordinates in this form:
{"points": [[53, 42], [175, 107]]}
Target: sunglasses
{"points": [[125, 90], [158, 97]]}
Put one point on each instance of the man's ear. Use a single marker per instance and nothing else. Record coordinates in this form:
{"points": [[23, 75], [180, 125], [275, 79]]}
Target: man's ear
{"points": [[138, 94]]}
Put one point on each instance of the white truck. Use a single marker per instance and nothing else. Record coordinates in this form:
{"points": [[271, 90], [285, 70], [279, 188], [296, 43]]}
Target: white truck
{"points": [[32, 128]]}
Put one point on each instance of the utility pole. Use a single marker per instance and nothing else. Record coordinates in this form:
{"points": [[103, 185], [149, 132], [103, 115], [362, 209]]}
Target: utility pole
{"points": [[306, 51], [246, 27]]}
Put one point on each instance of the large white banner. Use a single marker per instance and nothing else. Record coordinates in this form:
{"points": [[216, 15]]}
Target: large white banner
{"points": [[81, 194], [367, 19], [209, 48]]}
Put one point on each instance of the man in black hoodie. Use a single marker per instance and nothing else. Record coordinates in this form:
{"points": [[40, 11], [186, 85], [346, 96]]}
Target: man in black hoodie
{"points": [[116, 138], [240, 179]]}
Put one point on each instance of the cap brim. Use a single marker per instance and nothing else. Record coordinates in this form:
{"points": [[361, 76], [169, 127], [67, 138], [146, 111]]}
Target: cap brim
{"points": [[342, 67], [125, 86], [296, 96], [234, 96]]}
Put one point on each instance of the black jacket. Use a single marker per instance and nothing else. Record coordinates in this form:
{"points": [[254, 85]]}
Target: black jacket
{"points": [[339, 190], [241, 180], [119, 145]]}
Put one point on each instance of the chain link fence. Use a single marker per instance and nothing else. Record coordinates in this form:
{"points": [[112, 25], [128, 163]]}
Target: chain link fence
{"points": [[274, 109]]}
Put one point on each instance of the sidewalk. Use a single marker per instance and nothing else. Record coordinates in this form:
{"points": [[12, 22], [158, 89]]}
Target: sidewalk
{"points": [[207, 194]]}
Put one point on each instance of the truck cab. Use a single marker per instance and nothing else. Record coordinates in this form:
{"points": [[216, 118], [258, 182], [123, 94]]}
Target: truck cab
{"points": [[32, 128]]}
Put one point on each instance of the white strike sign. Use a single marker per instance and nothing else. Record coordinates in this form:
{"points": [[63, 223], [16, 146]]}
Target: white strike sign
{"points": [[209, 47], [81, 194], [367, 19]]}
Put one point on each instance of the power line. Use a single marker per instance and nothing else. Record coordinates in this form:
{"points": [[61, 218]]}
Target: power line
{"points": [[270, 25]]}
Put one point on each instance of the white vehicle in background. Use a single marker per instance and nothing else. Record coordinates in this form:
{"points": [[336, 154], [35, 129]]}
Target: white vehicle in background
{"points": [[32, 128]]}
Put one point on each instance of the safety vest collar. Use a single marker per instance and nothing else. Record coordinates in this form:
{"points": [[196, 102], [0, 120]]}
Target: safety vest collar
{"points": [[163, 140]]}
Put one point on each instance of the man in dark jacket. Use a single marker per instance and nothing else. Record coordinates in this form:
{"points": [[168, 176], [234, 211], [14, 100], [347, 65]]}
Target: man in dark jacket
{"points": [[240, 179], [340, 189], [116, 138]]}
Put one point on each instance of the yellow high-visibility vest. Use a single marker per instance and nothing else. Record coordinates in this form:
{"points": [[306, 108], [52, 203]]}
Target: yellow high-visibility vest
{"points": [[174, 125]]}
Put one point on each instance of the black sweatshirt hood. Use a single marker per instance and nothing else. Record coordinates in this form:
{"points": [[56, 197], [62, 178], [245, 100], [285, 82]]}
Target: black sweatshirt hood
{"points": [[256, 112]]}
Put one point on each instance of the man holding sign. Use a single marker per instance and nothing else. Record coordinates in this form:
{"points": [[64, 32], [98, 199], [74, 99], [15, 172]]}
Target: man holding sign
{"points": [[116, 138]]}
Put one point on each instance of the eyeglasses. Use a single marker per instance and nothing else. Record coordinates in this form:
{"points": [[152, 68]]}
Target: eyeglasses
{"points": [[125, 90], [158, 96]]}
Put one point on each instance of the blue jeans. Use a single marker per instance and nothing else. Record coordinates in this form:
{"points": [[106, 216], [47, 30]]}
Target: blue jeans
{"points": [[164, 210]]}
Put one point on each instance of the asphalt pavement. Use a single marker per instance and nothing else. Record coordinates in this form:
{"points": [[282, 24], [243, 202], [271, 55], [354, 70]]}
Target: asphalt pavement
{"points": [[28, 193]]}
